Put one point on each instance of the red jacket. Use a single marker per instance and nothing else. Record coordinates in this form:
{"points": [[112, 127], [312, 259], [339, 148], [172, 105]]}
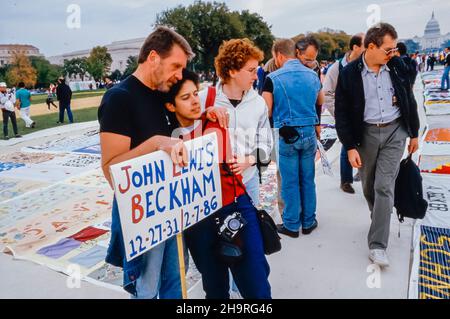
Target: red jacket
{"points": [[232, 187]]}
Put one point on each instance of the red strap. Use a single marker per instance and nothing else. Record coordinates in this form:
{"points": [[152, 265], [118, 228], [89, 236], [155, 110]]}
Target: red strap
{"points": [[211, 97]]}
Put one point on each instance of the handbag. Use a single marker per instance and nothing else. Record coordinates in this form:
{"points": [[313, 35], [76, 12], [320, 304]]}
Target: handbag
{"points": [[271, 239], [9, 106], [269, 232]]}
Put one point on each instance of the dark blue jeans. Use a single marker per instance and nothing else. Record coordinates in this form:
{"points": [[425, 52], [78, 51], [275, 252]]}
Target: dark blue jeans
{"points": [[62, 108], [250, 274], [298, 188], [346, 168], [445, 79]]}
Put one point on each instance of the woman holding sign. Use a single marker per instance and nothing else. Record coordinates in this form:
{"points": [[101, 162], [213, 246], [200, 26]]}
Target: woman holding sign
{"points": [[239, 247]]}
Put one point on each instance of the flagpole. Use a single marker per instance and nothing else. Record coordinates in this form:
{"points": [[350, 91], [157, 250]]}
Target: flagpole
{"points": [[182, 264]]}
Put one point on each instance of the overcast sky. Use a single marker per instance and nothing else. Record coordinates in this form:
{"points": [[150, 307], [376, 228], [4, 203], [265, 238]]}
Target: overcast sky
{"points": [[43, 23]]}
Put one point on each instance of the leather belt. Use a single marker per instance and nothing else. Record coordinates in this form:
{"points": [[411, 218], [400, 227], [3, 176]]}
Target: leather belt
{"points": [[379, 125]]}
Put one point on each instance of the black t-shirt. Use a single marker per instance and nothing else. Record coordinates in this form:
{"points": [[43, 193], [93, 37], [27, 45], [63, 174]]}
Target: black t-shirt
{"points": [[447, 59], [268, 85], [134, 110]]}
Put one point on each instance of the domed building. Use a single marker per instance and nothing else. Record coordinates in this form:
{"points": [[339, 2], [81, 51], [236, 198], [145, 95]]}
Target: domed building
{"points": [[432, 38]]}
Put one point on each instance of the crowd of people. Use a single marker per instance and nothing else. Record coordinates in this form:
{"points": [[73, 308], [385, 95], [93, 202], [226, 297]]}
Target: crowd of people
{"points": [[261, 112]]}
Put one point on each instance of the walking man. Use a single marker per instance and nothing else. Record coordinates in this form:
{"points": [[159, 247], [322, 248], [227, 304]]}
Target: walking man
{"points": [[329, 88], [445, 77], [375, 113], [64, 96], [23, 103]]}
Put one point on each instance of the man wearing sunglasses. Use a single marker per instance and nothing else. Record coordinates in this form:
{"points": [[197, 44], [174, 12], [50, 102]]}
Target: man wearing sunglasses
{"points": [[375, 113]]}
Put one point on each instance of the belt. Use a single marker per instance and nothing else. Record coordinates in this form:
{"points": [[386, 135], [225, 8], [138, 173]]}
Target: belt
{"points": [[379, 125]]}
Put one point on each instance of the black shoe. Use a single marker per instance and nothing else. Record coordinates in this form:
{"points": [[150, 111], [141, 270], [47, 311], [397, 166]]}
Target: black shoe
{"points": [[347, 187], [59, 122], [33, 125], [18, 136], [307, 231], [283, 230]]}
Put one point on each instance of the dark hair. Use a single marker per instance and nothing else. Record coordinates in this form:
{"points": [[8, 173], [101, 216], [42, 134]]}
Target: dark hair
{"points": [[305, 42], [21, 85], [356, 40], [162, 41], [175, 89], [448, 48], [402, 48], [376, 34]]}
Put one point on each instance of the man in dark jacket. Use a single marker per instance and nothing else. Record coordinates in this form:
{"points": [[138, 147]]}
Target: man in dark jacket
{"points": [[410, 63], [375, 113], [64, 96]]}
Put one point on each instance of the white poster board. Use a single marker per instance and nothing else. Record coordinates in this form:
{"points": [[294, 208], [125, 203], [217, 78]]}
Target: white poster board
{"points": [[158, 200]]}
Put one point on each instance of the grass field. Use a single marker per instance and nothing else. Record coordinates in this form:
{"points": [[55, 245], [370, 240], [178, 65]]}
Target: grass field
{"points": [[40, 98], [49, 121]]}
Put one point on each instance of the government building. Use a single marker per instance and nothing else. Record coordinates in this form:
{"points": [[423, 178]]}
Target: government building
{"points": [[432, 38], [119, 51], [7, 52]]}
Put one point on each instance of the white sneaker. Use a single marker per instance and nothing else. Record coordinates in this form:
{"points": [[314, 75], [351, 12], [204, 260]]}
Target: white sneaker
{"points": [[379, 257]]}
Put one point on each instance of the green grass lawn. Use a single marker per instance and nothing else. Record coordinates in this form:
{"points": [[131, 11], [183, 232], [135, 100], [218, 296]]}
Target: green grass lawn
{"points": [[49, 121], [40, 98]]}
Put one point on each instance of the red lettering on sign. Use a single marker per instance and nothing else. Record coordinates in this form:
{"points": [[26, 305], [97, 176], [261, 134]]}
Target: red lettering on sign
{"points": [[136, 208], [124, 190]]}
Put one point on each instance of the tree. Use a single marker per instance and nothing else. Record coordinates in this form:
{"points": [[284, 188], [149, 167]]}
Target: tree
{"points": [[132, 64], [205, 26], [74, 67], [3, 71], [333, 44], [21, 70], [46, 73], [116, 75], [258, 31], [411, 46], [99, 62]]}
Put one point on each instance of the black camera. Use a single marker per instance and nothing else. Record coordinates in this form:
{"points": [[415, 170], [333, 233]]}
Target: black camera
{"points": [[231, 226]]}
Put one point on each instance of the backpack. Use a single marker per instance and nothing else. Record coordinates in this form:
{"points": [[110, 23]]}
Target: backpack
{"points": [[409, 200]]}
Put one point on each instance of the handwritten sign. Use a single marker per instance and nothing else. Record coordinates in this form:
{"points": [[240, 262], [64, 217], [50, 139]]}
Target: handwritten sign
{"points": [[158, 199]]}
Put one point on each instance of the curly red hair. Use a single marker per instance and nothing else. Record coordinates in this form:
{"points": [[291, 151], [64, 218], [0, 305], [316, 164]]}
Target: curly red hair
{"points": [[234, 54]]}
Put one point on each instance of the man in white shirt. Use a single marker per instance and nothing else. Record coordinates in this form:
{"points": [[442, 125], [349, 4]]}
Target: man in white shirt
{"points": [[7, 101]]}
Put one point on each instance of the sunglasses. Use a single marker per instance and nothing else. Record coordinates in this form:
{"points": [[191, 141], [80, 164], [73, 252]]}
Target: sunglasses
{"points": [[389, 52]]}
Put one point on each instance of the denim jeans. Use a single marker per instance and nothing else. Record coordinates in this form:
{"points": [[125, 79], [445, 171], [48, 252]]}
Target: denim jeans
{"points": [[250, 274], [62, 108], [160, 276], [346, 168], [298, 189], [445, 81], [252, 187]]}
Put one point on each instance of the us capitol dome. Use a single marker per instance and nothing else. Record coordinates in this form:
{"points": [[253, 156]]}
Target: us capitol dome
{"points": [[432, 38]]}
